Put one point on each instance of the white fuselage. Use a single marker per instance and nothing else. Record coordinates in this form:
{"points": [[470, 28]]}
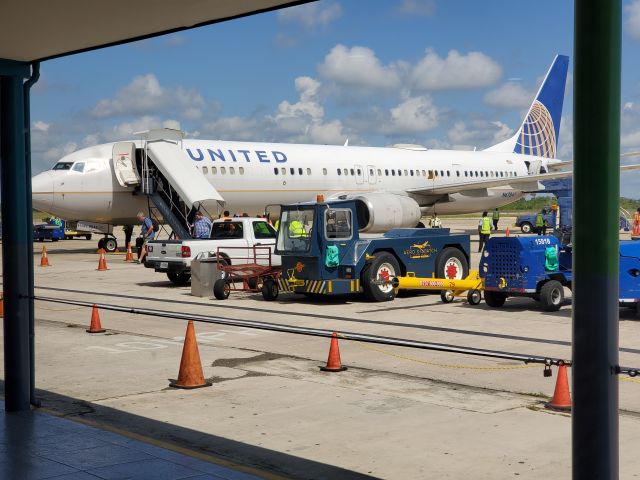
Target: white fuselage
{"points": [[252, 175]]}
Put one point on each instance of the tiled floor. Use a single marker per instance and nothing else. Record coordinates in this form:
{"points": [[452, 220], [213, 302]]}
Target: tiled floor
{"points": [[35, 445]]}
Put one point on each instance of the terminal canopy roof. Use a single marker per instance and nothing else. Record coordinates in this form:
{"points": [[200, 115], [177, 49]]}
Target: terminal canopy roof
{"points": [[33, 30]]}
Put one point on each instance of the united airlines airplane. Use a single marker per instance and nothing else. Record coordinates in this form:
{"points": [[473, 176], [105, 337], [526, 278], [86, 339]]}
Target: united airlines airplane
{"points": [[90, 184]]}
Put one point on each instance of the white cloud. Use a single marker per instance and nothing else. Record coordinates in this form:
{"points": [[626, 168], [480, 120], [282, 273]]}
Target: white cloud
{"points": [[413, 115], [456, 71], [565, 141], [144, 95], [509, 95], [424, 8], [478, 133], [40, 126], [56, 152], [632, 23], [312, 15], [358, 67]]}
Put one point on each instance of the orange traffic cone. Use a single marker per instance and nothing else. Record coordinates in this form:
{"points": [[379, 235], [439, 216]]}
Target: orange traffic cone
{"points": [[44, 260], [507, 232], [95, 326], [561, 397], [129, 257], [333, 361], [102, 262], [190, 375]]}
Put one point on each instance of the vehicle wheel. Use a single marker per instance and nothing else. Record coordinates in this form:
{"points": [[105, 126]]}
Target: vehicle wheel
{"points": [[526, 227], [452, 264], [474, 297], [269, 290], [383, 268], [88, 237], [54, 239], [67, 237], [181, 279], [552, 295], [110, 244], [420, 225], [446, 296], [221, 289], [252, 283], [101, 243], [494, 299]]}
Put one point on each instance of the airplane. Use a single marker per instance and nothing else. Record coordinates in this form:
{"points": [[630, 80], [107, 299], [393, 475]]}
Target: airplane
{"points": [[403, 181]]}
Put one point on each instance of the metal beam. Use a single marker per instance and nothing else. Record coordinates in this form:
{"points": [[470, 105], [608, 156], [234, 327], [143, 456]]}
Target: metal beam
{"points": [[596, 135], [17, 251]]}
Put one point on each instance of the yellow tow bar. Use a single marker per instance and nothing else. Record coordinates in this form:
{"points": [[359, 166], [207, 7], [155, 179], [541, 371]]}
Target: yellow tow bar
{"points": [[449, 288]]}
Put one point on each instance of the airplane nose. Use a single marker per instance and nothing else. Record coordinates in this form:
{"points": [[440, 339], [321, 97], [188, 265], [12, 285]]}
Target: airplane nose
{"points": [[42, 191]]}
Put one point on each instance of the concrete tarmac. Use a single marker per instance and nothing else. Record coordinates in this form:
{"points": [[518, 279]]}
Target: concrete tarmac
{"points": [[395, 413]]}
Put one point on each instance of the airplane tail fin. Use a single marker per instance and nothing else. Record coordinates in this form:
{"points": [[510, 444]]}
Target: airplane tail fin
{"points": [[539, 132]]}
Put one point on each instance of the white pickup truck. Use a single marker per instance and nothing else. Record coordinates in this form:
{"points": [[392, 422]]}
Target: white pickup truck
{"points": [[234, 238]]}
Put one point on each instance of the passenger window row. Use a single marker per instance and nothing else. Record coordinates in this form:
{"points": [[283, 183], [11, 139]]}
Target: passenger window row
{"points": [[222, 170], [431, 174]]}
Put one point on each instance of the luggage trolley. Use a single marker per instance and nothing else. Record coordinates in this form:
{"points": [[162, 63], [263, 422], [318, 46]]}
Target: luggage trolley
{"points": [[254, 272]]}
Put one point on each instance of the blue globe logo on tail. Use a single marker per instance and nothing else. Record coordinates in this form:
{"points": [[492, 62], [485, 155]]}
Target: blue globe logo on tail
{"points": [[537, 135]]}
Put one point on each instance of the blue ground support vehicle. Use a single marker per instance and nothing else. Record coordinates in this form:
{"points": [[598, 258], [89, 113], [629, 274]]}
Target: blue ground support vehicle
{"points": [[46, 231], [540, 267], [323, 252], [629, 279], [527, 222], [537, 267]]}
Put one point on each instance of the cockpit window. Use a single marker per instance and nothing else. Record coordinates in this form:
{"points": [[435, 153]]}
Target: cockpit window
{"points": [[62, 166], [78, 167]]}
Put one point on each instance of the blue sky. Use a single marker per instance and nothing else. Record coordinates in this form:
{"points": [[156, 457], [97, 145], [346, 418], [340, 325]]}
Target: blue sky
{"points": [[447, 74]]}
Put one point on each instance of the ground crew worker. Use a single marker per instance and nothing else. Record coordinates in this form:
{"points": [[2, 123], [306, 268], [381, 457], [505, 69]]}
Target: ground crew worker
{"points": [[495, 217], [484, 230], [147, 233], [539, 223], [635, 231], [435, 221], [296, 229]]}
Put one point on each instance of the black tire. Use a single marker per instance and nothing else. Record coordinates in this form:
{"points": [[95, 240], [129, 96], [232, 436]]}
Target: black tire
{"points": [[448, 259], [101, 243], [383, 262], [446, 296], [494, 299], [526, 227], [221, 289], [68, 237], [552, 296], [420, 225], [269, 290], [474, 297], [182, 278], [110, 244], [252, 283], [88, 237]]}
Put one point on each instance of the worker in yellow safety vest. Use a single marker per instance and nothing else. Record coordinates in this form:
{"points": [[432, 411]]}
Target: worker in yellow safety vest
{"points": [[635, 231], [296, 229], [484, 229], [540, 230]]}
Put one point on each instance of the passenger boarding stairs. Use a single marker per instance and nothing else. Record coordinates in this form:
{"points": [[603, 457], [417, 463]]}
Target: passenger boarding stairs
{"points": [[174, 187]]}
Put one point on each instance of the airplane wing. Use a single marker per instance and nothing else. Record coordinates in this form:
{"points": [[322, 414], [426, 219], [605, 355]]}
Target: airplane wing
{"points": [[528, 183], [560, 166]]}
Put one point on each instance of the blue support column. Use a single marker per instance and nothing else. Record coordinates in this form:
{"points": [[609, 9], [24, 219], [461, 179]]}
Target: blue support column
{"points": [[17, 250], [596, 134]]}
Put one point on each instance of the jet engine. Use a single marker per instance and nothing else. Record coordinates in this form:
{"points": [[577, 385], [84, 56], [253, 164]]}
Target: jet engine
{"points": [[380, 212]]}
